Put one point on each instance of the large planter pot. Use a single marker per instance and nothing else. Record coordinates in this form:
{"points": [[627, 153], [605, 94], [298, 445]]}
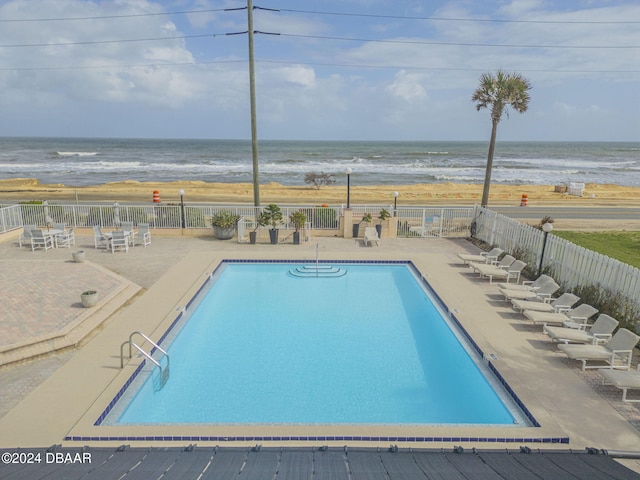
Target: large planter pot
{"points": [[252, 237], [296, 238], [273, 236], [89, 298], [379, 230], [223, 233], [78, 256], [356, 230]]}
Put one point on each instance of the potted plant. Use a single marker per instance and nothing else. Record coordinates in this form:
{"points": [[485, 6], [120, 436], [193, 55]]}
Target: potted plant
{"points": [[224, 224], [382, 216], [298, 219], [89, 298], [273, 217], [261, 221]]}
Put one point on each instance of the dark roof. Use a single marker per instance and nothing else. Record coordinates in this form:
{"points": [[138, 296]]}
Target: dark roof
{"points": [[203, 463]]}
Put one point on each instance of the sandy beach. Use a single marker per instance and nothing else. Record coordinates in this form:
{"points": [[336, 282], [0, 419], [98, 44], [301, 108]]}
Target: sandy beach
{"points": [[25, 189]]}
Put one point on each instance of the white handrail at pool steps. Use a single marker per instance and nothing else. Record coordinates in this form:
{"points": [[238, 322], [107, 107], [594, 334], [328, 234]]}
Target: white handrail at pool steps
{"points": [[164, 372], [317, 271]]}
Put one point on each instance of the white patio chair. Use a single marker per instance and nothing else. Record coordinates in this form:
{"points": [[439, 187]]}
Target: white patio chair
{"points": [[25, 236], [119, 241], [66, 239], [127, 227], [99, 239], [144, 234], [39, 240]]}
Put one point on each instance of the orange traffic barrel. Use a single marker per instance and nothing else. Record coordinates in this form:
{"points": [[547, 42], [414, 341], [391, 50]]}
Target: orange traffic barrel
{"points": [[156, 196], [524, 202]]}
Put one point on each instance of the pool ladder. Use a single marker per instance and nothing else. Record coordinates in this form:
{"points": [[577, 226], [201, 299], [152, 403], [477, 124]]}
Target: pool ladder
{"points": [[164, 371]]}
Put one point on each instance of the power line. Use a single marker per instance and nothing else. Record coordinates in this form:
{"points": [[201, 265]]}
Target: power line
{"points": [[139, 65], [451, 19], [455, 44], [313, 64], [453, 69], [126, 40], [107, 17]]}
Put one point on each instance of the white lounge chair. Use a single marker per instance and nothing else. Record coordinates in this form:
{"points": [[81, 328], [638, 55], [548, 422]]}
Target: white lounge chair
{"points": [[577, 316], [563, 303], [623, 379], [617, 352], [528, 285], [484, 257], [600, 331], [144, 234], [504, 262], [371, 236], [40, 240], [493, 271], [119, 241], [542, 294], [99, 239]]}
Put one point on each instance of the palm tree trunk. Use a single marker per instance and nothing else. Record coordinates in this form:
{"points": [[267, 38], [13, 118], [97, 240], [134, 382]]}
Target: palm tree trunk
{"points": [[487, 174]]}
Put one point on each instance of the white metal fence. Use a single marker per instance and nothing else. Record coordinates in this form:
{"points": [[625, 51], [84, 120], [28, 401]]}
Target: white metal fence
{"points": [[412, 221], [569, 263]]}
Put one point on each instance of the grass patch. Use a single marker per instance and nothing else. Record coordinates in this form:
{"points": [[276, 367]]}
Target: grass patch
{"points": [[623, 246]]}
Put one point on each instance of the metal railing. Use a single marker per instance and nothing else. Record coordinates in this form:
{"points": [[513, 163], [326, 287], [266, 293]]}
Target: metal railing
{"points": [[164, 371], [412, 221]]}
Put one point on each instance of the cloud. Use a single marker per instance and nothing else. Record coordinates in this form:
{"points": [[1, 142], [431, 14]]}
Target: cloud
{"points": [[408, 86]]}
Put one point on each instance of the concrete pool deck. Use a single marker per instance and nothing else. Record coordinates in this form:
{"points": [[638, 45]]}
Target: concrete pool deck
{"points": [[566, 402]]}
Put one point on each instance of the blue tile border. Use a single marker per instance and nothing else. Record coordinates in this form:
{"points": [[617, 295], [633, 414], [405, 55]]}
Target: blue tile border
{"points": [[312, 438], [431, 291]]}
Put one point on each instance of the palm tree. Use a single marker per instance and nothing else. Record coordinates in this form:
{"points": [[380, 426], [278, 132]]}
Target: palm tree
{"points": [[499, 92]]}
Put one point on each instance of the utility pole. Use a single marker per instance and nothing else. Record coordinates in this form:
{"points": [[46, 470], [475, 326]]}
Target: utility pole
{"points": [[252, 94]]}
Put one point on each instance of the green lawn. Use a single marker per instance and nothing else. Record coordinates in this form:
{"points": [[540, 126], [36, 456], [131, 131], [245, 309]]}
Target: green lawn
{"points": [[623, 246]]}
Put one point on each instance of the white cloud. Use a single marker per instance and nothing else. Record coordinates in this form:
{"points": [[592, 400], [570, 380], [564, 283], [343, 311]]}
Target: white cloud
{"points": [[408, 86]]}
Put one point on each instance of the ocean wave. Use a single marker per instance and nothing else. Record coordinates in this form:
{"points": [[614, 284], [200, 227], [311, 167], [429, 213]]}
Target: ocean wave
{"points": [[76, 154]]}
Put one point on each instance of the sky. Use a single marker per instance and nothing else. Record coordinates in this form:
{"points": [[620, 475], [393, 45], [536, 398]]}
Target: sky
{"points": [[324, 70]]}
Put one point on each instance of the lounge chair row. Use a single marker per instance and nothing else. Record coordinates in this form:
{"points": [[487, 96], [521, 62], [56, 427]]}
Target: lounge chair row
{"points": [[593, 344]]}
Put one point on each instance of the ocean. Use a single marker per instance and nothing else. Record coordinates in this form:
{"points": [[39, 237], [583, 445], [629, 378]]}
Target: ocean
{"points": [[91, 161]]}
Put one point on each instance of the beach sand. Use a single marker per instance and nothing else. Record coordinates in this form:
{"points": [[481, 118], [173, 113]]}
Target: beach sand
{"points": [[242, 193]]}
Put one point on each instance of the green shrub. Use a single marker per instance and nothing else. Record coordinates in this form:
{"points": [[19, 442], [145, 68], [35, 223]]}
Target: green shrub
{"points": [[615, 304]]}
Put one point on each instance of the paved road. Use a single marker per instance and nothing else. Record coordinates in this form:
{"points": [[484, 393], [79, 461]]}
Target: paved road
{"points": [[606, 213]]}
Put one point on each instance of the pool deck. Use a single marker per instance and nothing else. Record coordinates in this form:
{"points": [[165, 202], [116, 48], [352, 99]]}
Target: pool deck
{"points": [[57, 397]]}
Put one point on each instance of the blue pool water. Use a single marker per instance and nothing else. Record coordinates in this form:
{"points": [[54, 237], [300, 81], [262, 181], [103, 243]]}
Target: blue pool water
{"points": [[368, 347]]}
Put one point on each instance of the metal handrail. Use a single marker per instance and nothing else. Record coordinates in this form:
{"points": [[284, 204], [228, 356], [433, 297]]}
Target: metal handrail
{"points": [[164, 372], [131, 343]]}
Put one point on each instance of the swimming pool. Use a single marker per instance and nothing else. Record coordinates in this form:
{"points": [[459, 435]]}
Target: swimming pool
{"points": [[369, 346]]}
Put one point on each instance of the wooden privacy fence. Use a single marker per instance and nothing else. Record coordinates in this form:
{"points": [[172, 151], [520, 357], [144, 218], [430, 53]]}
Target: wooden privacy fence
{"points": [[568, 263]]}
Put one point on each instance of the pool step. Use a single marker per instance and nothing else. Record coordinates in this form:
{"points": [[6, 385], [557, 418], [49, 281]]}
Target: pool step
{"points": [[313, 271]]}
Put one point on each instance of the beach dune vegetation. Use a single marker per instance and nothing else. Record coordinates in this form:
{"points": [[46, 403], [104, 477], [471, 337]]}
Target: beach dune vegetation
{"points": [[498, 92]]}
